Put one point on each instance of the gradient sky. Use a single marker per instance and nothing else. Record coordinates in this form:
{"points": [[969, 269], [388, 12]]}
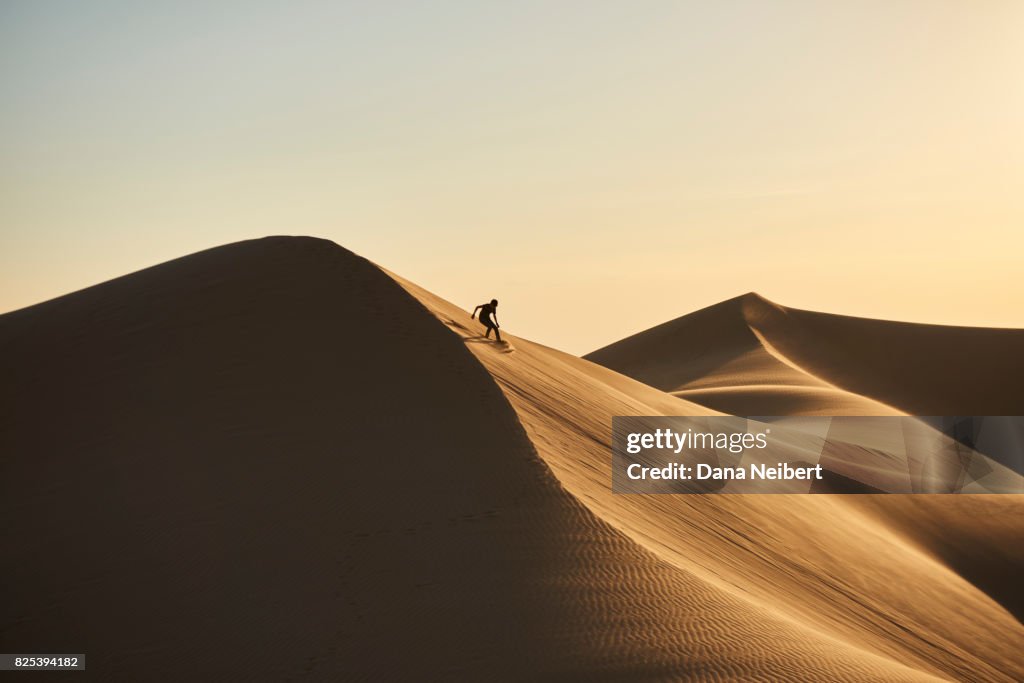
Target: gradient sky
{"points": [[600, 167]]}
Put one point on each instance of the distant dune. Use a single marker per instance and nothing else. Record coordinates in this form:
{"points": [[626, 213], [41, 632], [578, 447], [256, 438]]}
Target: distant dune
{"points": [[750, 356], [274, 460]]}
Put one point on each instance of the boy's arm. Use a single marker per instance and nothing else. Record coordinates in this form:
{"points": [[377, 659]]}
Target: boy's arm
{"points": [[473, 317]]}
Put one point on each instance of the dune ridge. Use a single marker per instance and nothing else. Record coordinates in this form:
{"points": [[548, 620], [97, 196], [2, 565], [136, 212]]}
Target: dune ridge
{"points": [[273, 459]]}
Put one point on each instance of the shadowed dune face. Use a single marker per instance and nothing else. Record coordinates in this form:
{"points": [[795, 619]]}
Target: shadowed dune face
{"points": [[922, 369], [270, 460]]}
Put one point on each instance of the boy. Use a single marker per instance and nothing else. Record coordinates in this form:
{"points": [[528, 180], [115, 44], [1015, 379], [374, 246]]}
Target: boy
{"points": [[486, 311]]}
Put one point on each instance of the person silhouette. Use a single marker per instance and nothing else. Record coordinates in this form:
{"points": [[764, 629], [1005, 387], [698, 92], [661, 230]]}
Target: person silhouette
{"points": [[486, 311]]}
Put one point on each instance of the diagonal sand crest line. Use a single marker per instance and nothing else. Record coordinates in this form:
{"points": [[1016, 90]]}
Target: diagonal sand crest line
{"points": [[785, 360]]}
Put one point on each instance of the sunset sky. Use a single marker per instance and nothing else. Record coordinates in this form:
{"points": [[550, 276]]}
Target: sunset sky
{"points": [[599, 167]]}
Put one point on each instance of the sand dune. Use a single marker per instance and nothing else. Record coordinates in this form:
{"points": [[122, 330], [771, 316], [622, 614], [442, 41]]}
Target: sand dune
{"points": [[273, 460], [718, 357], [787, 556], [750, 356]]}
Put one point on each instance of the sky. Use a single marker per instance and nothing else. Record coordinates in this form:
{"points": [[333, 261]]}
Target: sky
{"points": [[599, 167]]}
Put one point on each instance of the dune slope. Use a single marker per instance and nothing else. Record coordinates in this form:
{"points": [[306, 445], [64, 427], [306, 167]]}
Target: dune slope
{"points": [[791, 557]]}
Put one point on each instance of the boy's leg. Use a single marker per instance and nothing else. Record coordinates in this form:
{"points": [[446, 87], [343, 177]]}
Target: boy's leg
{"points": [[497, 334], [487, 334]]}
